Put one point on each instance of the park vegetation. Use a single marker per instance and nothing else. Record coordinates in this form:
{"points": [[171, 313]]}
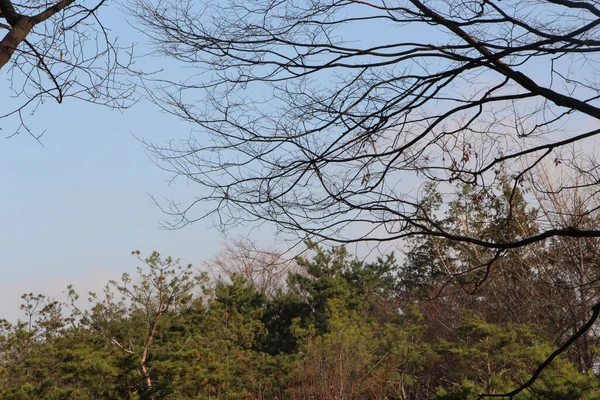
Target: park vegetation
{"points": [[326, 325]]}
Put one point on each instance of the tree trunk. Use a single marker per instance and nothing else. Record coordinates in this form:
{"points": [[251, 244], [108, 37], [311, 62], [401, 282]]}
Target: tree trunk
{"points": [[14, 38]]}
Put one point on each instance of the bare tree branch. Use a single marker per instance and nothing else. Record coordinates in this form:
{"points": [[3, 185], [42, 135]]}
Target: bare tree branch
{"points": [[57, 50]]}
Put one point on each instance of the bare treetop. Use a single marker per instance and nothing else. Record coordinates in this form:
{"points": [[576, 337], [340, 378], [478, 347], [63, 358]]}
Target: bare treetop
{"points": [[326, 117], [59, 49]]}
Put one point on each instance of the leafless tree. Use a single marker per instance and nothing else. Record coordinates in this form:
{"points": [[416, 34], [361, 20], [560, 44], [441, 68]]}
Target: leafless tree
{"points": [[314, 117], [55, 49], [266, 270], [567, 196]]}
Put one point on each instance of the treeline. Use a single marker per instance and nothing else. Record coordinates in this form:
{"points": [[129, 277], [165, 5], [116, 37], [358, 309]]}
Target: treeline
{"points": [[450, 321]]}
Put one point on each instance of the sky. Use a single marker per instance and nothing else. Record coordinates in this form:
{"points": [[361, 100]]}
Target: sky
{"points": [[75, 204], [73, 207]]}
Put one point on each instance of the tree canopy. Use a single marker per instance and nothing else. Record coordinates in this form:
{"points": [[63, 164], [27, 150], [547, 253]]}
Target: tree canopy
{"points": [[340, 328]]}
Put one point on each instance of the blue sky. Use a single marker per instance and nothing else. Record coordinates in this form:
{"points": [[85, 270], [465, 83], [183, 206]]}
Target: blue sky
{"points": [[74, 207], [72, 210]]}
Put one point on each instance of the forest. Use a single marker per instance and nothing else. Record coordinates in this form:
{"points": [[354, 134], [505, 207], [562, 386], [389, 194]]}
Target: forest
{"points": [[325, 325]]}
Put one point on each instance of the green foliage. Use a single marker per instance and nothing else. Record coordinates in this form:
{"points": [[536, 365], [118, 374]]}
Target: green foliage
{"points": [[487, 358], [341, 328]]}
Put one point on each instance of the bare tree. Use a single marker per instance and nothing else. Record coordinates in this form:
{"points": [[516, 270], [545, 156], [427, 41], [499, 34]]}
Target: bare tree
{"points": [[571, 265], [266, 270], [55, 49], [325, 129]]}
